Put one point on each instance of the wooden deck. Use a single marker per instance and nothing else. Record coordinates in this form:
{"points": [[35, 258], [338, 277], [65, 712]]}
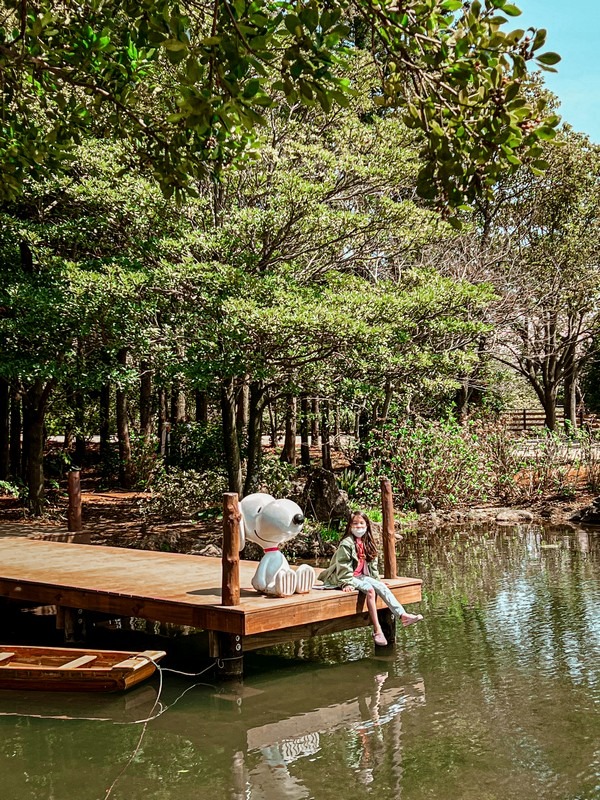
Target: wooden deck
{"points": [[181, 589]]}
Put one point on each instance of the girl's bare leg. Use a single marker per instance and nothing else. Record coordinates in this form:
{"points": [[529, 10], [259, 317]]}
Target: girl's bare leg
{"points": [[372, 608]]}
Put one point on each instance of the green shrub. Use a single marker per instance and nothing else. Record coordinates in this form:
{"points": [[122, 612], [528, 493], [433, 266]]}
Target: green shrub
{"points": [[440, 460], [504, 458], [145, 460], [184, 494], [589, 443], [275, 477], [8, 489], [196, 446], [350, 481]]}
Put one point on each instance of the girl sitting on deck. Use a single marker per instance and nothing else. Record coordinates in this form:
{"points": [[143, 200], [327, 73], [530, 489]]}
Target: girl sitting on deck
{"points": [[354, 566]]}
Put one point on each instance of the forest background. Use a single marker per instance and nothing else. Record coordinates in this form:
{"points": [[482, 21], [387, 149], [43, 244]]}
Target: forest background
{"points": [[379, 244]]}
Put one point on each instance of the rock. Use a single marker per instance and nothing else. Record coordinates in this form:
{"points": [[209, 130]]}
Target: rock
{"points": [[478, 515], [424, 505], [589, 515], [210, 550], [322, 498], [454, 517], [514, 516]]}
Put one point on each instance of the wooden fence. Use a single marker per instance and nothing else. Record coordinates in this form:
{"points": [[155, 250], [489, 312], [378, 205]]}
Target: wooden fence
{"points": [[524, 419]]}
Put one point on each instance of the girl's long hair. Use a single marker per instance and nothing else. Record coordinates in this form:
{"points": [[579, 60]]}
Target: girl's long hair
{"points": [[368, 538]]}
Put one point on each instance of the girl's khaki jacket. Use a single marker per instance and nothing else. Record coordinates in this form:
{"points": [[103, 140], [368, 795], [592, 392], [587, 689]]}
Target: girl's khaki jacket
{"points": [[344, 561]]}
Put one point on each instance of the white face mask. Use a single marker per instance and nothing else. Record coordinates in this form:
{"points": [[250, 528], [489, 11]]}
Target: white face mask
{"points": [[358, 530]]}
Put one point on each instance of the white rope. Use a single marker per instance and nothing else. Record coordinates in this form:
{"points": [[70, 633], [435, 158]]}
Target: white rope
{"points": [[219, 662]]}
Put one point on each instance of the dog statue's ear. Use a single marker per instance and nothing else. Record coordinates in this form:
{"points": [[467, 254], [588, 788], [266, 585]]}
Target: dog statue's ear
{"points": [[242, 533]]}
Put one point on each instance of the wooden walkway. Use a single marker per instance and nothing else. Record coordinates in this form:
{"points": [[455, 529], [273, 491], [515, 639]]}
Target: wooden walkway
{"points": [[181, 589]]}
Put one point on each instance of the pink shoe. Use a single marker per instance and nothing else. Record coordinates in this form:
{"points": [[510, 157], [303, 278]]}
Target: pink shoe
{"points": [[379, 639], [410, 619]]}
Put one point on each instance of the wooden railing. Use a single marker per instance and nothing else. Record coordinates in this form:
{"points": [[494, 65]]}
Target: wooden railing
{"points": [[524, 419]]}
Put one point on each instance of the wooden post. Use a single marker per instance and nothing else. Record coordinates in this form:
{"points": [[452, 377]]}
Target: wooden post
{"points": [[230, 582], [388, 534], [74, 509], [225, 647], [386, 618]]}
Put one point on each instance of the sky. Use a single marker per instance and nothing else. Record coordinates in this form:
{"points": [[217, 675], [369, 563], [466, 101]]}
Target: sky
{"points": [[574, 32]]}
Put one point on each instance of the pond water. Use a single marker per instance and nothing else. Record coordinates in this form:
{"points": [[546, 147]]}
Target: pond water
{"points": [[494, 696]]}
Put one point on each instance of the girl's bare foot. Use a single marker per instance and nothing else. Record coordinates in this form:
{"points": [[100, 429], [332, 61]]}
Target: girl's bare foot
{"points": [[410, 619]]}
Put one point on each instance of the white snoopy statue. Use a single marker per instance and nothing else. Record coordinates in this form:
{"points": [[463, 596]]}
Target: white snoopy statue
{"points": [[269, 523]]}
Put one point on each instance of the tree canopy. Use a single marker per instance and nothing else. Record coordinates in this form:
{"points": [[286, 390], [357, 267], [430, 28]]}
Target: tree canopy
{"points": [[185, 84]]}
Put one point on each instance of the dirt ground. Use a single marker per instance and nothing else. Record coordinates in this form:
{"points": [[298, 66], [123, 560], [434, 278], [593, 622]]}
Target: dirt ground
{"points": [[113, 518]]}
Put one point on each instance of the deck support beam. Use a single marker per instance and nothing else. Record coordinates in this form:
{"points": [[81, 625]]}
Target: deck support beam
{"points": [[73, 622], [227, 649], [388, 625]]}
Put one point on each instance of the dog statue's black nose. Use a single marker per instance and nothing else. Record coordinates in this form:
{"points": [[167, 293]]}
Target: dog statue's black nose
{"points": [[298, 519]]}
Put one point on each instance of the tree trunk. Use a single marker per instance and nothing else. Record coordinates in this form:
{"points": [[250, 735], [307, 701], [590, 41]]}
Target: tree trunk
{"points": [[177, 406], [549, 404], [125, 465], [230, 436], [70, 426], [363, 431], [461, 399], [389, 393], [4, 429], [570, 391], [314, 424], [146, 405], [304, 432], [325, 436], [201, 400], [15, 433], [256, 407], [272, 422], [25, 439], [104, 421], [288, 454], [242, 412], [163, 423], [35, 460], [80, 444], [34, 411]]}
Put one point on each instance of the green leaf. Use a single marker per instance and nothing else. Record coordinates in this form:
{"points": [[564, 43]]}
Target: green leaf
{"points": [[512, 11], [174, 45], [548, 58], [193, 70], [539, 39], [545, 133], [251, 88], [292, 23]]}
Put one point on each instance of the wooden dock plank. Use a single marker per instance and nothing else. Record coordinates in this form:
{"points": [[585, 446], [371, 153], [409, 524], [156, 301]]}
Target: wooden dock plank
{"points": [[167, 587]]}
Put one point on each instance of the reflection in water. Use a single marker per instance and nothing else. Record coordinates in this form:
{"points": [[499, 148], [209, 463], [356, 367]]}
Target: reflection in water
{"points": [[360, 719], [494, 697]]}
